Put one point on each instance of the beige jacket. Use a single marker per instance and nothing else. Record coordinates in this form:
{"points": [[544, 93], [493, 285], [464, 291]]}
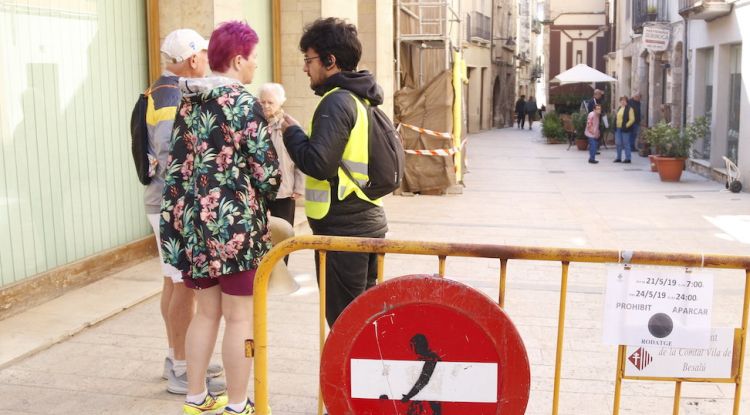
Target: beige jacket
{"points": [[292, 179]]}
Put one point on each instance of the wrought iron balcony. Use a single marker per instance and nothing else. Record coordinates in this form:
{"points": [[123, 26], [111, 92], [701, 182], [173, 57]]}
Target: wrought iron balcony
{"points": [[536, 26], [537, 71], [649, 11], [704, 10], [480, 28]]}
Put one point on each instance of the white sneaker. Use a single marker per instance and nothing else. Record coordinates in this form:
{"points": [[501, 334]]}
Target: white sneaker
{"points": [[178, 384], [214, 369]]}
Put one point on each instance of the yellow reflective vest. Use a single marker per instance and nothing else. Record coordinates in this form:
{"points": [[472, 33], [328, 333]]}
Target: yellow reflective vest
{"points": [[318, 192]]}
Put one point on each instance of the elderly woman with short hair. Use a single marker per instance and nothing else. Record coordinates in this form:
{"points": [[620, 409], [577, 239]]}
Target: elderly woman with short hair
{"points": [[271, 97], [222, 169]]}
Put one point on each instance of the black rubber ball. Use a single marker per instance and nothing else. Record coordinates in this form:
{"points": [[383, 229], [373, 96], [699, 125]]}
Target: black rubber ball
{"points": [[660, 325]]}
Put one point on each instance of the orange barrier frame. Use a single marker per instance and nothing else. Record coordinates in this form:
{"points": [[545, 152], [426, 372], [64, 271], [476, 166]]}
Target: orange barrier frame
{"points": [[503, 253]]}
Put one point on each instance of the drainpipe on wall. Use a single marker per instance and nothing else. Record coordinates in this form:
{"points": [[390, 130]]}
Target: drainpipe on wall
{"points": [[492, 68], [685, 71]]}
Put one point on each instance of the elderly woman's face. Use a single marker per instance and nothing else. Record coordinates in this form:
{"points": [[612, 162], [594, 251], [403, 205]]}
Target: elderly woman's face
{"points": [[270, 103]]}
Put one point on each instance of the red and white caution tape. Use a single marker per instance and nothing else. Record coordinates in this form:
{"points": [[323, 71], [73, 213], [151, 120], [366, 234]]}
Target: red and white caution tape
{"points": [[437, 152], [428, 132]]}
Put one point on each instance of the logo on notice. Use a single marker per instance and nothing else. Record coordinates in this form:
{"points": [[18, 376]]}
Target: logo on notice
{"points": [[640, 358]]}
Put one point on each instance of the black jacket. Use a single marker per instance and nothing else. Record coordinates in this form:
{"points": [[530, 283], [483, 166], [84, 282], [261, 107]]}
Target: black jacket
{"points": [[520, 106], [531, 107], [625, 119], [319, 155], [590, 104], [636, 105]]}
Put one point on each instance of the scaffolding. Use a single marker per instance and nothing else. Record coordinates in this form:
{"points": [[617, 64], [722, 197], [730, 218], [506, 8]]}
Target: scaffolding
{"points": [[426, 25]]}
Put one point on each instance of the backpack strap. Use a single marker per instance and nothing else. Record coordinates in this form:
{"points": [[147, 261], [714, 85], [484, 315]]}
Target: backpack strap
{"points": [[367, 105], [150, 90]]}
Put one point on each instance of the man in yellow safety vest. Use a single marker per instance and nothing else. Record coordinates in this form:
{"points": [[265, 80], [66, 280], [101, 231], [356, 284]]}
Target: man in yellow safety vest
{"points": [[338, 135]]}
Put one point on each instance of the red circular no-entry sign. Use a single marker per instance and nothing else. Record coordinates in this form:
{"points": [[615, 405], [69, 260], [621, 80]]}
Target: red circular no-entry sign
{"points": [[419, 345]]}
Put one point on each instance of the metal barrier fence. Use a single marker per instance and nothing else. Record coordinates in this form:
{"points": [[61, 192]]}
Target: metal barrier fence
{"points": [[503, 253]]}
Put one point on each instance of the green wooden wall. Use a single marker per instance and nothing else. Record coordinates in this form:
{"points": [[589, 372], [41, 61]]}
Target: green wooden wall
{"points": [[70, 73], [259, 15]]}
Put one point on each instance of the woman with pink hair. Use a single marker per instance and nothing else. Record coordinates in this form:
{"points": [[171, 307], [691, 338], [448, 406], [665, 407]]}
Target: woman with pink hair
{"points": [[222, 169]]}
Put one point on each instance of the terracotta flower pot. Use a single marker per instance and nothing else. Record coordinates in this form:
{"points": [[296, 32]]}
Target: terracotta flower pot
{"points": [[670, 169], [652, 161], [582, 144]]}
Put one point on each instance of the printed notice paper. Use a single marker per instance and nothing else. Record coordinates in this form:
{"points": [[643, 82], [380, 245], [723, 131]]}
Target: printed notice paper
{"points": [[666, 307]]}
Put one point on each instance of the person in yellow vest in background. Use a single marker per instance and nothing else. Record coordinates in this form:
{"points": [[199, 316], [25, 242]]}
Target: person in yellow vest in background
{"points": [[338, 135]]}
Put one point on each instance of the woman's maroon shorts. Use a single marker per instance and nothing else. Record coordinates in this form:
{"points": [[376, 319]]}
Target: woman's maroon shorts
{"points": [[239, 283]]}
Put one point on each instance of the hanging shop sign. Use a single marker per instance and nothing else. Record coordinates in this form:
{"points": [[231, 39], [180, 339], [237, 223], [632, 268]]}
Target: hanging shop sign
{"points": [[655, 39]]}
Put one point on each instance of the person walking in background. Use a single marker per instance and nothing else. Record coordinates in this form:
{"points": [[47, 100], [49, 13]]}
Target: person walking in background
{"points": [[531, 110], [623, 125], [271, 97], [596, 99], [635, 103], [592, 132], [521, 111], [339, 136], [185, 51], [223, 168]]}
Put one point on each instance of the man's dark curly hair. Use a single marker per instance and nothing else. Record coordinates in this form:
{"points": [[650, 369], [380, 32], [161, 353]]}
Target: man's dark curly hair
{"points": [[333, 36]]}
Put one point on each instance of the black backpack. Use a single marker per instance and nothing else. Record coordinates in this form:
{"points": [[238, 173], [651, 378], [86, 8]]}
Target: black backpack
{"points": [[139, 136], [385, 161]]}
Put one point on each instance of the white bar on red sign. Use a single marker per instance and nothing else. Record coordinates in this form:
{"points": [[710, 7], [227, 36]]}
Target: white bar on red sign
{"points": [[450, 381]]}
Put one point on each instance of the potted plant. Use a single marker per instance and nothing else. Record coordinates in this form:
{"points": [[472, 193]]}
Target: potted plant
{"points": [[673, 146], [669, 151], [655, 137], [579, 124], [552, 128], [645, 150], [697, 129]]}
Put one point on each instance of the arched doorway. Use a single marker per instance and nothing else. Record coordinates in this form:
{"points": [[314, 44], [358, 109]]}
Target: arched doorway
{"points": [[498, 120]]}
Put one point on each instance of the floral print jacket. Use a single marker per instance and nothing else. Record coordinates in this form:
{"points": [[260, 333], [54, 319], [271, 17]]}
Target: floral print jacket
{"points": [[221, 169]]}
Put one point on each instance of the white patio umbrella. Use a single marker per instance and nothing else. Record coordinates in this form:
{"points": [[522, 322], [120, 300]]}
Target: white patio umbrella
{"points": [[582, 73]]}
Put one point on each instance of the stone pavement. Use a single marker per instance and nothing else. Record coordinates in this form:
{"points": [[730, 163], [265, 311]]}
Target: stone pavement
{"points": [[519, 191]]}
